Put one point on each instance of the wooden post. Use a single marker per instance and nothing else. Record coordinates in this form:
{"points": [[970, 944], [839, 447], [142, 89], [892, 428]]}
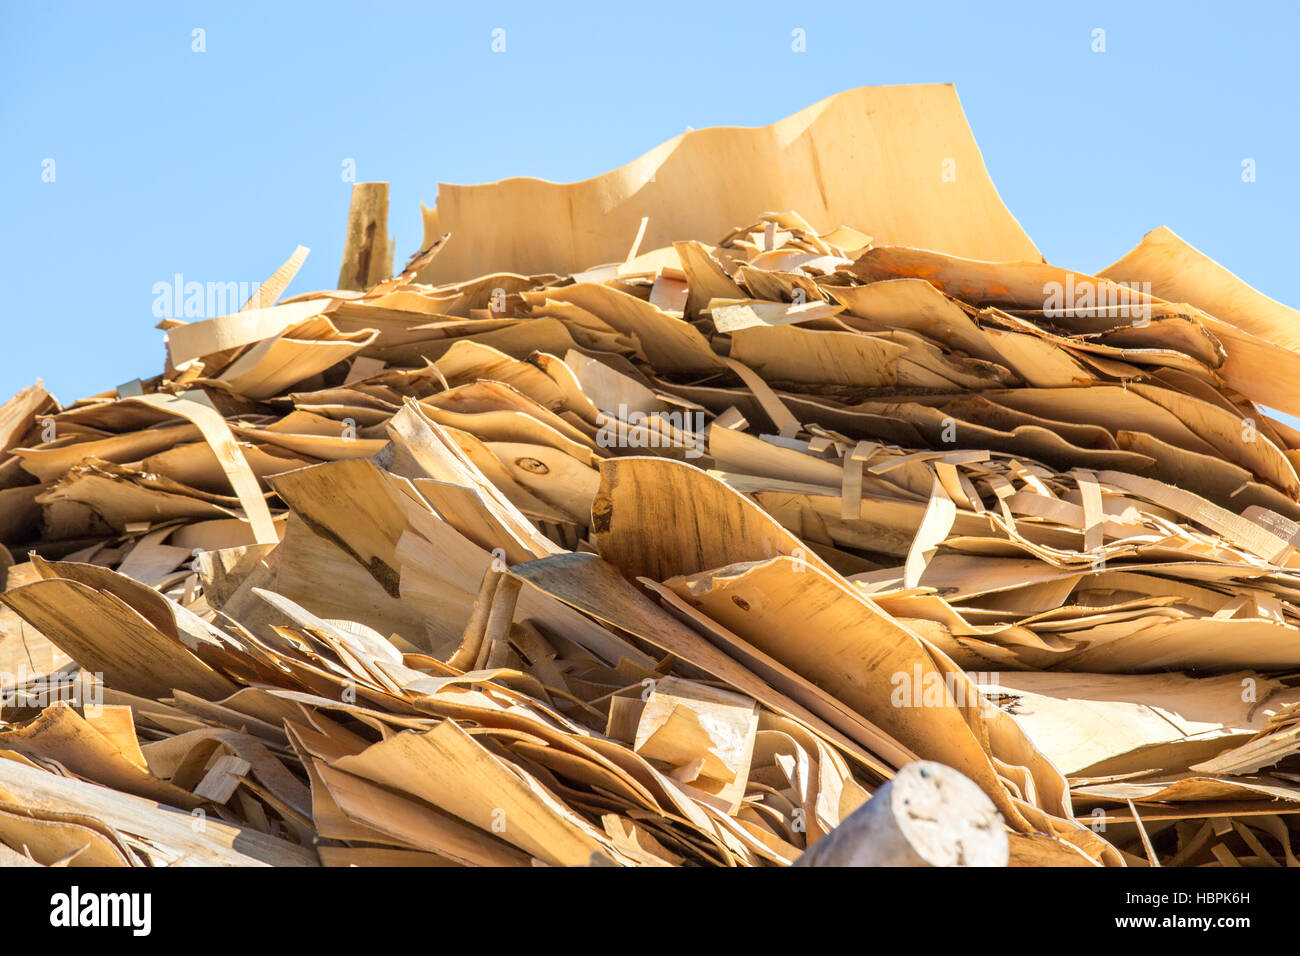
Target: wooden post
{"points": [[367, 250], [928, 815]]}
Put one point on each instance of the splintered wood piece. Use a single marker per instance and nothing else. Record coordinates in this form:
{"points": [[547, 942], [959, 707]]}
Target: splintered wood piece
{"points": [[271, 290], [927, 815], [367, 250], [222, 779]]}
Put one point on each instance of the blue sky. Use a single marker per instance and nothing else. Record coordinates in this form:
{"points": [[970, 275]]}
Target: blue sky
{"points": [[216, 164]]}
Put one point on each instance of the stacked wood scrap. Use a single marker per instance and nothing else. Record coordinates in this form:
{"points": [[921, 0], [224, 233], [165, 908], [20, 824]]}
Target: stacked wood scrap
{"points": [[672, 561]]}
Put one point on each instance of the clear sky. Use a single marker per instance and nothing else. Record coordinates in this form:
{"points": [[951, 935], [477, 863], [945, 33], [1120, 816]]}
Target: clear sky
{"points": [[215, 164]]}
